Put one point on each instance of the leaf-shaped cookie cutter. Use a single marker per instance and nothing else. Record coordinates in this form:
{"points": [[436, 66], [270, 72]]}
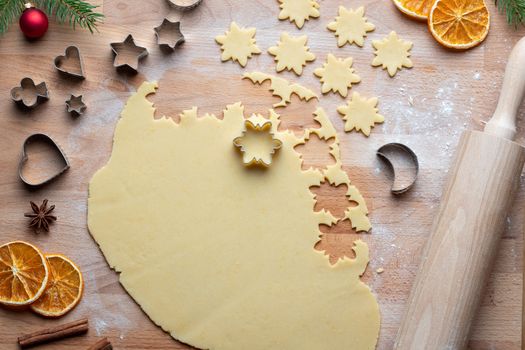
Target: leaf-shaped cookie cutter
{"points": [[257, 127], [43, 138], [72, 53], [404, 177], [19, 93]]}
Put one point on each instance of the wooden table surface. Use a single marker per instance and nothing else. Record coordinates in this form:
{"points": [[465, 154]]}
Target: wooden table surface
{"points": [[426, 108]]}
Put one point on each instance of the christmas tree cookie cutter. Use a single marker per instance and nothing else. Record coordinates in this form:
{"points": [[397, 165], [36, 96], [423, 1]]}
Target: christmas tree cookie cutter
{"points": [[169, 35], [70, 64], [257, 143], [75, 105], [43, 139], [128, 54], [404, 164], [185, 5], [28, 94]]}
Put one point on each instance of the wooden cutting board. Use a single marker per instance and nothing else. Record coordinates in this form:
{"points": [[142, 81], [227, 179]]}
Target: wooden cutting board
{"points": [[426, 108]]}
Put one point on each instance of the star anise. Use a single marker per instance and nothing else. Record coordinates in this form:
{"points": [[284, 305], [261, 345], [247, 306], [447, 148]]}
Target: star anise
{"points": [[41, 216]]}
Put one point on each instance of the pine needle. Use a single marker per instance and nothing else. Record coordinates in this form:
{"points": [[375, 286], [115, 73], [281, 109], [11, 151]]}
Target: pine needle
{"points": [[514, 11], [10, 10], [75, 12]]}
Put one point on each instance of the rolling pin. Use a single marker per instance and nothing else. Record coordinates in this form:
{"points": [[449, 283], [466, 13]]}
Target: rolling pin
{"points": [[460, 252]]}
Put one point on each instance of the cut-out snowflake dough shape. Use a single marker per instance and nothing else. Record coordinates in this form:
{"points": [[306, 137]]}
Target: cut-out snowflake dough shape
{"points": [[298, 11], [392, 53], [337, 75], [360, 114], [351, 26], [238, 44], [291, 53], [281, 88], [257, 143]]}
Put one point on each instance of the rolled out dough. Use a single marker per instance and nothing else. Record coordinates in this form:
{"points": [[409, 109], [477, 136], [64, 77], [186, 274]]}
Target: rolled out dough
{"points": [[220, 255]]}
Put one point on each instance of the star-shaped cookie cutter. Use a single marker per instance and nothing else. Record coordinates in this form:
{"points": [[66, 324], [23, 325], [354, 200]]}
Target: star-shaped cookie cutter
{"points": [[128, 54], [28, 94], [251, 128], [75, 105], [169, 35]]}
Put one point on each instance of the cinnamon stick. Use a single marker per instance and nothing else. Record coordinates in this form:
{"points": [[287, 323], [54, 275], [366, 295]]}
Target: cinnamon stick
{"points": [[102, 344], [55, 333]]}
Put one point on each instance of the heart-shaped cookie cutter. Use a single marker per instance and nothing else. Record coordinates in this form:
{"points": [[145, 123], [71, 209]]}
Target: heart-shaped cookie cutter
{"points": [[404, 177], [44, 139], [38, 93], [72, 53]]}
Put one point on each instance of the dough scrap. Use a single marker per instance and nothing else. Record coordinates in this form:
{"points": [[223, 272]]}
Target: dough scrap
{"points": [[238, 44], [281, 87], [219, 255], [392, 53], [298, 11], [257, 143], [337, 75], [351, 26], [360, 114], [291, 53]]}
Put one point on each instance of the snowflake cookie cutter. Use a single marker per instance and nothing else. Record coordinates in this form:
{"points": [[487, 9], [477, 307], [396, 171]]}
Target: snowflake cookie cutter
{"points": [[257, 132], [404, 164], [43, 139], [75, 105], [128, 54], [76, 68], [169, 35], [28, 94], [185, 5]]}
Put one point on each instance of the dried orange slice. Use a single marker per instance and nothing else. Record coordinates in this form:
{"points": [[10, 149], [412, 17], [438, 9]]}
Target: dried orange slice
{"points": [[64, 289], [23, 273], [459, 24], [417, 9]]}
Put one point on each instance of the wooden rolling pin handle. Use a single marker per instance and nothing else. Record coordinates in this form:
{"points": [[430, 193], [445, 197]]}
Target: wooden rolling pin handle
{"points": [[460, 252], [503, 123]]}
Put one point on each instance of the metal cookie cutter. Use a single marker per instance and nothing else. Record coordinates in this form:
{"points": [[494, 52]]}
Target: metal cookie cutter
{"points": [[169, 35], [128, 54], [404, 164], [75, 105], [260, 156], [28, 94], [41, 138], [185, 5], [76, 68]]}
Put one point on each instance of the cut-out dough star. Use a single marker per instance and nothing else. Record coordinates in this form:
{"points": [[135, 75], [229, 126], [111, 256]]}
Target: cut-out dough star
{"points": [[257, 143], [291, 53], [361, 114], [299, 11], [238, 44], [392, 53], [337, 75], [351, 26]]}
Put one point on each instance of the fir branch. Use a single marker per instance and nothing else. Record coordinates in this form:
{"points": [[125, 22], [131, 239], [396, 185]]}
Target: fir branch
{"points": [[514, 11], [10, 10], [75, 12]]}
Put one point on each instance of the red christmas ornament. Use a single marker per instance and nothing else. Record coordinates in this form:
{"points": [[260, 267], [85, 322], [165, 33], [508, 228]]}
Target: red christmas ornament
{"points": [[33, 22]]}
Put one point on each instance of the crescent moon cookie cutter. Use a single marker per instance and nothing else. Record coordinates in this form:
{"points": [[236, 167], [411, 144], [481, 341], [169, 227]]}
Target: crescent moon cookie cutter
{"points": [[41, 138], [71, 54], [404, 164], [28, 94]]}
